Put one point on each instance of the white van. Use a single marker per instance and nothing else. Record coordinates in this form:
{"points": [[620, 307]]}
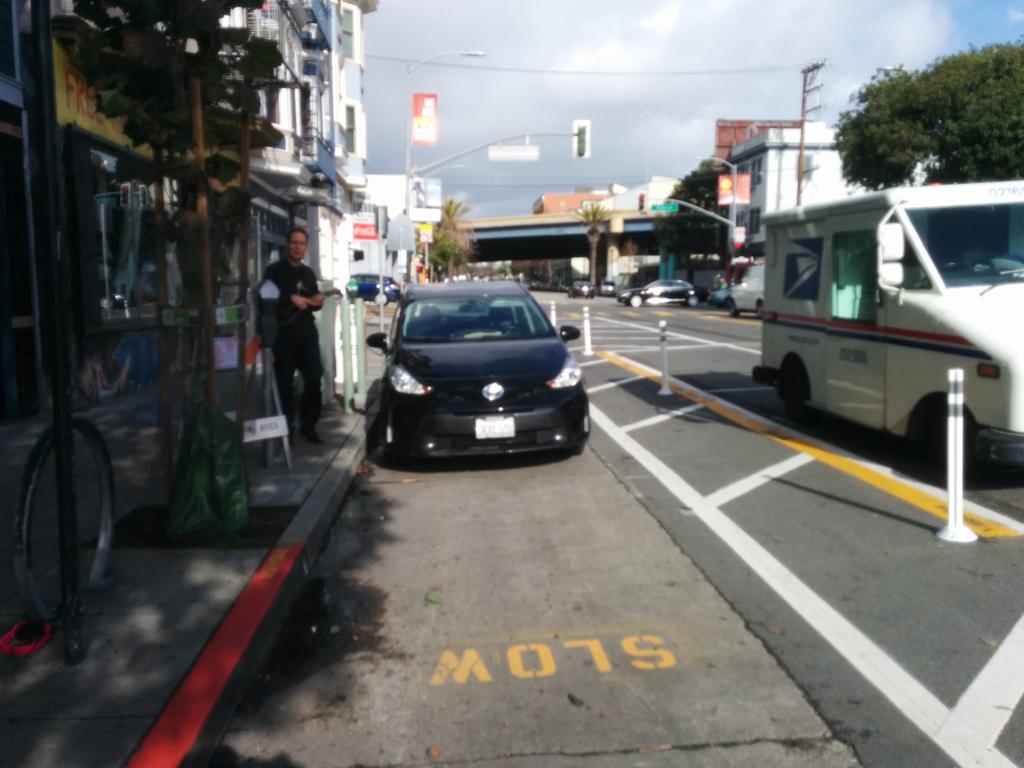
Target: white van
{"points": [[870, 300], [748, 294]]}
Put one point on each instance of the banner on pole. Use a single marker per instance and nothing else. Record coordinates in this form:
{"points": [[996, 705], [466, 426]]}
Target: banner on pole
{"points": [[424, 119]]}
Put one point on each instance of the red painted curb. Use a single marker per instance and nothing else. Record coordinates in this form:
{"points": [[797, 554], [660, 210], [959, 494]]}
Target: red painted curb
{"points": [[179, 725]]}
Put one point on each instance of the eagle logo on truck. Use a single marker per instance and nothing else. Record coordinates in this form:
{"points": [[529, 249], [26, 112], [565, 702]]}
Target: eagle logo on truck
{"points": [[803, 268]]}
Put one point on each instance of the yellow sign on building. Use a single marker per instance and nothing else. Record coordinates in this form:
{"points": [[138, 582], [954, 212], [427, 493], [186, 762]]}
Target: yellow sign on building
{"points": [[76, 103]]}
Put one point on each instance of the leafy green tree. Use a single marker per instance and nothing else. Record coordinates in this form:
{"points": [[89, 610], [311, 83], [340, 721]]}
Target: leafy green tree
{"points": [[595, 218], [453, 243], [960, 119], [687, 231]]}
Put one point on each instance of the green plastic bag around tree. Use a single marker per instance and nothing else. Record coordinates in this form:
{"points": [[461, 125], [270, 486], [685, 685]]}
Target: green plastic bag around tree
{"points": [[211, 488]]}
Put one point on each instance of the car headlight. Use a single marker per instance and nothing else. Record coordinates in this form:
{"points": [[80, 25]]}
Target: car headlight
{"points": [[405, 383], [569, 376]]}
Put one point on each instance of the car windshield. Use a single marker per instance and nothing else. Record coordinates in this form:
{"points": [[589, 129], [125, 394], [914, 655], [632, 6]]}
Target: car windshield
{"points": [[976, 245], [447, 319]]}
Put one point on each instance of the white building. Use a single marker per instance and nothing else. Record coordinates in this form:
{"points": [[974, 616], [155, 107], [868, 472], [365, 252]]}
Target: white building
{"points": [[771, 159]]}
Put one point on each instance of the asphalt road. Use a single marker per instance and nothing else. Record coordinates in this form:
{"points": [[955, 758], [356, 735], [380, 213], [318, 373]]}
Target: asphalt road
{"points": [[704, 586]]}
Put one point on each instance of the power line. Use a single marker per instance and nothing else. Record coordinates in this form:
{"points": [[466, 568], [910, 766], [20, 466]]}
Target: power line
{"points": [[597, 73]]}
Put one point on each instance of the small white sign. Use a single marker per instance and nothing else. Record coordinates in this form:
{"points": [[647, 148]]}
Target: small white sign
{"points": [[426, 215], [265, 429]]}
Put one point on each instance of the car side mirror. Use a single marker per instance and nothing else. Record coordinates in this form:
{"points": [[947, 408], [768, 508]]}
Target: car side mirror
{"points": [[891, 274], [891, 243], [378, 341], [569, 332]]}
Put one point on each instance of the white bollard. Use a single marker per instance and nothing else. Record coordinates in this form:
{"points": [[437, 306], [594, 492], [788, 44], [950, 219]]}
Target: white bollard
{"points": [[955, 529], [587, 349], [664, 359], [554, 322]]}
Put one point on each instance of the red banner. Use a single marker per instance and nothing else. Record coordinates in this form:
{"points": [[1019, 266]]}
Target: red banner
{"points": [[362, 231], [742, 189], [424, 119]]}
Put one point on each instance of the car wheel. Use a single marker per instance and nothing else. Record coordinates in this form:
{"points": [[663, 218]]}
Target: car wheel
{"points": [[691, 301], [795, 390], [730, 304], [760, 310], [635, 301]]}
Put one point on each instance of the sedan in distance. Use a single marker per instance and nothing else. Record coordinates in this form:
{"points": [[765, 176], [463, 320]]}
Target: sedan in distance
{"points": [[477, 368], [607, 288], [660, 292], [580, 288], [368, 286]]}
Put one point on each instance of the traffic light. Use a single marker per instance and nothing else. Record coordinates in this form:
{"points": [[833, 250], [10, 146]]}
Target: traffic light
{"points": [[126, 195], [640, 201], [581, 138]]}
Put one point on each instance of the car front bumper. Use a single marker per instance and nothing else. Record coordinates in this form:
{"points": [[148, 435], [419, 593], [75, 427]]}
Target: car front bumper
{"points": [[425, 426], [1000, 447]]}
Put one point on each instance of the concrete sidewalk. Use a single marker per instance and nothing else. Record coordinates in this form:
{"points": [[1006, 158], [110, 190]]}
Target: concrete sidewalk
{"points": [[172, 644]]}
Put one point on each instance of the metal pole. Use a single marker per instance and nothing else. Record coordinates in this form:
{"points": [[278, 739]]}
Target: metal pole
{"points": [[664, 359], [55, 272], [587, 349], [346, 352], [955, 530], [361, 349]]}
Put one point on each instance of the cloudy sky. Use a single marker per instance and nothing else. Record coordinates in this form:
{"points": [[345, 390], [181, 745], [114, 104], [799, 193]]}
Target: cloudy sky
{"points": [[651, 75]]}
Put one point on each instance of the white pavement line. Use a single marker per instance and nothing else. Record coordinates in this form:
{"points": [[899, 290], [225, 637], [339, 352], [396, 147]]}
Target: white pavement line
{"points": [[613, 384], [756, 480], [661, 417], [689, 338], [784, 429], [989, 702], [593, 362], [915, 701]]}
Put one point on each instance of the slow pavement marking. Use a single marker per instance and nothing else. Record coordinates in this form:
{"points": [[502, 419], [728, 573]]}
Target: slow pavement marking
{"points": [[986, 523], [916, 702]]}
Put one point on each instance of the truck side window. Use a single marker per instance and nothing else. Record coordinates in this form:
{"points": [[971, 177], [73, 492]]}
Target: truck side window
{"points": [[854, 276]]}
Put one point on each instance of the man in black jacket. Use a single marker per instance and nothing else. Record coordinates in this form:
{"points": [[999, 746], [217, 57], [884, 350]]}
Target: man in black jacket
{"points": [[297, 346]]}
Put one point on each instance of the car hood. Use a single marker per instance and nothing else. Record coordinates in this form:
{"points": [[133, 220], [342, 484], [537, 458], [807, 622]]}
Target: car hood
{"points": [[493, 360]]}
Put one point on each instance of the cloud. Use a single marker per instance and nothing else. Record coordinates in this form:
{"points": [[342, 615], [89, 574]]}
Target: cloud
{"points": [[727, 59], [1016, 15]]}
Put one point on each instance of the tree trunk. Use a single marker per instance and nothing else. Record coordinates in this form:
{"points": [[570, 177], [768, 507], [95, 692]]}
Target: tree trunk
{"points": [[594, 239], [243, 273], [202, 216]]}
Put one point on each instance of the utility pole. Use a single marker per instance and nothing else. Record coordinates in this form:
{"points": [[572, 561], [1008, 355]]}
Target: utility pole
{"points": [[811, 84]]}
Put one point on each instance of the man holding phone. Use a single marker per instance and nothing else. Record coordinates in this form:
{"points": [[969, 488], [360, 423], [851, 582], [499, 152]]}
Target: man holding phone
{"points": [[298, 345]]}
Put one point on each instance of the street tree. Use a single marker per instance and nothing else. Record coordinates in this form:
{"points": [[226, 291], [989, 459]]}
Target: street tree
{"points": [[453, 242], [595, 217], [186, 88], [687, 232], [960, 119]]}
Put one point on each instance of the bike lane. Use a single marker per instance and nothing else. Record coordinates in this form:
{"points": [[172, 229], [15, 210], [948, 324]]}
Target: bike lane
{"points": [[831, 551]]}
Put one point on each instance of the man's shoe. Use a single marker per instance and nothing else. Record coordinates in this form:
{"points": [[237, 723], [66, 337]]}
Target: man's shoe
{"points": [[312, 436]]}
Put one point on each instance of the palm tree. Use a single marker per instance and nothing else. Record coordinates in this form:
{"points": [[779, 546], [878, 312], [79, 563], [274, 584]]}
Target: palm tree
{"points": [[453, 241], [595, 217]]}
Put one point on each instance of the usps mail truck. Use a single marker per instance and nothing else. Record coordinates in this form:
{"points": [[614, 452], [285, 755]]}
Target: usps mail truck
{"points": [[869, 300]]}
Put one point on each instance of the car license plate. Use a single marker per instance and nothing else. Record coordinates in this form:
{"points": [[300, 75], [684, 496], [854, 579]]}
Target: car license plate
{"points": [[495, 427]]}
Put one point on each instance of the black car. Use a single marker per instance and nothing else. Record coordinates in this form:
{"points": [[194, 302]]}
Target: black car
{"points": [[580, 288], [477, 368], [660, 292]]}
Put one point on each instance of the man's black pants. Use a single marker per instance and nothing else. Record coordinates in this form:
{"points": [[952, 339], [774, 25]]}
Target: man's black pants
{"points": [[301, 354]]}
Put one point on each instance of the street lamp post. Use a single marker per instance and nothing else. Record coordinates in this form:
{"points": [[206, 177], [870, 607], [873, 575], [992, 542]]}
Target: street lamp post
{"points": [[407, 108]]}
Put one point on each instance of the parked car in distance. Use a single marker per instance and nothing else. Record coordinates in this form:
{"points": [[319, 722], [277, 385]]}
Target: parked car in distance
{"points": [[719, 297], [660, 292], [580, 288], [477, 368], [607, 288], [748, 294], [368, 286]]}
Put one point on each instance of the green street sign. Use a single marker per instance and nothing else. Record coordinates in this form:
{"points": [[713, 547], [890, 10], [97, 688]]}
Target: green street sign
{"points": [[670, 207]]}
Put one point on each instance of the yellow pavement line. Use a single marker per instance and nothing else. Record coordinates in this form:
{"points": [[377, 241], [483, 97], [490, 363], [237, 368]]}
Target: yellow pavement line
{"points": [[627, 313], [574, 315], [663, 313], [890, 485]]}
